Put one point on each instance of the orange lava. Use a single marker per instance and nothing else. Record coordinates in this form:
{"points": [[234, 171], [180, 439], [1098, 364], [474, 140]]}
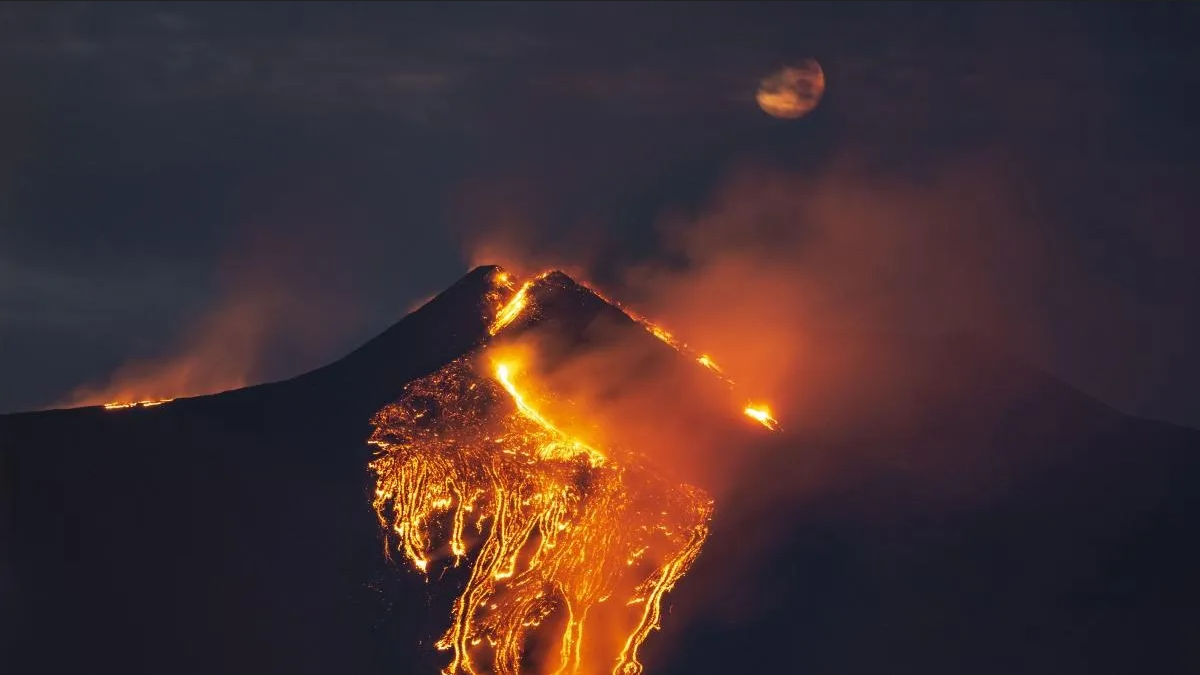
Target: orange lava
{"points": [[761, 414], [117, 405], [564, 538]]}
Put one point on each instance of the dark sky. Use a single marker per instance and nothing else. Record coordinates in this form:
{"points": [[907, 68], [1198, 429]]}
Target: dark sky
{"points": [[267, 186]]}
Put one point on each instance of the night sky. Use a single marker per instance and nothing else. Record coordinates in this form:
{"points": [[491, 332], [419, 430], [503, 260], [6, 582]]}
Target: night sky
{"points": [[272, 185]]}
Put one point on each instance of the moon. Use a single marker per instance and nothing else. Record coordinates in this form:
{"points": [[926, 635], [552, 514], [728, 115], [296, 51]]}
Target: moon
{"points": [[792, 91]]}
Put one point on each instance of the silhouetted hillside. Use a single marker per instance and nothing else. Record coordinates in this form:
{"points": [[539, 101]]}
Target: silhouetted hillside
{"points": [[944, 509]]}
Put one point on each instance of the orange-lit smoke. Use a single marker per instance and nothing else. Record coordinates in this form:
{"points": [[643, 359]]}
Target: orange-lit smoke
{"points": [[632, 383], [783, 270], [219, 354], [805, 288], [802, 288], [267, 305]]}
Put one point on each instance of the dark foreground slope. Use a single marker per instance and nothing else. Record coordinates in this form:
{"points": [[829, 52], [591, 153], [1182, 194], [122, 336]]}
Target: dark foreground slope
{"points": [[970, 515]]}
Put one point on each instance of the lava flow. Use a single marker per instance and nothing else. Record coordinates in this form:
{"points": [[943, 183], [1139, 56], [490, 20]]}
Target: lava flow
{"points": [[117, 405], [763, 414], [561, 535]]}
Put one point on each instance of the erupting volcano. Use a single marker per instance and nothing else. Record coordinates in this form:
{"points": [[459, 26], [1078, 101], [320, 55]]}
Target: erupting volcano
{"points": [[568, 536], [561, 475]]}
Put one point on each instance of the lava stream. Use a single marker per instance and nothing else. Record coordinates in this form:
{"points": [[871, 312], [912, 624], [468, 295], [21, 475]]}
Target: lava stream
{"points": [[557, 526], [564, 526]]}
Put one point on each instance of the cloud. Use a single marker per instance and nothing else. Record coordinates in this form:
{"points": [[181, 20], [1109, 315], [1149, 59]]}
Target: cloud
{"points": [[423, 68]]}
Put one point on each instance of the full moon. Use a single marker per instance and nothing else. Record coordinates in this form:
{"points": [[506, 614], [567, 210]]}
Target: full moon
{"points": [[793, 91]]}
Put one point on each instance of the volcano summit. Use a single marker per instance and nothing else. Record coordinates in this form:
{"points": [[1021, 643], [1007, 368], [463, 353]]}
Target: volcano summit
{"points": [[542, 467]]}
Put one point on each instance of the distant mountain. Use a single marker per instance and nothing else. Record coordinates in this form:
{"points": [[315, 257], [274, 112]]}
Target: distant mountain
{"points": [[943, 508]]}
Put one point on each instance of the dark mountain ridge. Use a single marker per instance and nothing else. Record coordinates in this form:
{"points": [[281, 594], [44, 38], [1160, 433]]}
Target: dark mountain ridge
{"points": [[973, 515]]}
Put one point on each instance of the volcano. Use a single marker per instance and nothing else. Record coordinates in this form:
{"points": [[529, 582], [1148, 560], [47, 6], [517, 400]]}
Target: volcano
{"points": [[973, 515]]}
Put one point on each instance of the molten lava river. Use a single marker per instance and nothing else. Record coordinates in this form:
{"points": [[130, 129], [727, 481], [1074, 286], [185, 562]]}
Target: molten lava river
{"points": [[561, 539]]}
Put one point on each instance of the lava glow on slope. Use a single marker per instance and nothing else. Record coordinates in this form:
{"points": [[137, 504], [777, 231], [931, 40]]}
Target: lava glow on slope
{"points": [[116, 405], [763, 414], [560, 534]]}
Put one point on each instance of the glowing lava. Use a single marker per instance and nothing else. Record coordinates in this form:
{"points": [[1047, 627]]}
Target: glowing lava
{"points": [[136, 404], [763, 414], [564, 527], [470, 465], [512, 309], [575, 447], [706, 361], [516, 305]]}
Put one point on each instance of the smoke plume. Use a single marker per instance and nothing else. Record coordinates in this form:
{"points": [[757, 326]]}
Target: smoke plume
{"points": [[777, 273], [817, 293], [274, 305]]}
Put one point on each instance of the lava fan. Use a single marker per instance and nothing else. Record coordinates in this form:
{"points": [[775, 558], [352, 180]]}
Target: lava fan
{"points": [[564, 538]]}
